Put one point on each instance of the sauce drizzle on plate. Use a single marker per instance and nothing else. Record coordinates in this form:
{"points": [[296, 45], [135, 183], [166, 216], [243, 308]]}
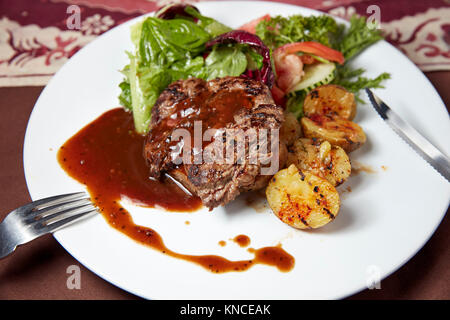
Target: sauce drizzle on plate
{"points": [[242, 240], [107, 157]]}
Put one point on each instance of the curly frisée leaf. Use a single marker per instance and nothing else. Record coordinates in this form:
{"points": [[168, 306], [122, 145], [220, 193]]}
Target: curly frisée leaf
{"points": [[278, 31], [353, 81], [358, 37], [295, 101]]}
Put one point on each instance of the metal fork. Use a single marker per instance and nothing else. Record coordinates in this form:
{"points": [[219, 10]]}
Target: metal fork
{"points": [[41, 217]]}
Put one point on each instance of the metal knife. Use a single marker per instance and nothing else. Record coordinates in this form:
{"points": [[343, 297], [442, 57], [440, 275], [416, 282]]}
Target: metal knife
{"points": [[422, 146]]}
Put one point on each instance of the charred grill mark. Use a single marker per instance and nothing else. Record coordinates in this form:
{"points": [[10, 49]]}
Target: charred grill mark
{"points": [[179, 95], [243, 103], [330, 166], [225, 84], [302, 175], [253, 91], [193, 175], [304, 221], [329, 213], [261, 108], [314, 94], [260, 115]]}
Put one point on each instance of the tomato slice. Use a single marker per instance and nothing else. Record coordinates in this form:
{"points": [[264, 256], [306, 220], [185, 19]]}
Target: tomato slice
{"points": [[251, 26], [311, 47], [289, 66], [289, 69]]}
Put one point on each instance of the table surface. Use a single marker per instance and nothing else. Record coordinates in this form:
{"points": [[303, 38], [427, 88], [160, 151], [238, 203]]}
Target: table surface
{"points": [[38, 270]]}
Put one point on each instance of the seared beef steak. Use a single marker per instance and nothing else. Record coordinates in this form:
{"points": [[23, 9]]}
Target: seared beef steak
{"points": [[227, 104]]}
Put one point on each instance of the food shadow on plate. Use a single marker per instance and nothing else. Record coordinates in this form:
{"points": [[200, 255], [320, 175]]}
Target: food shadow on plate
{"points": [[248, 203], [362, 112], [366, 149], [348, 219], [353, 184]]}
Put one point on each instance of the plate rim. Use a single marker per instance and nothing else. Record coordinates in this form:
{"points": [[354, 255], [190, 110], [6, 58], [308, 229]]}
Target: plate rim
{"points": [[212, 3]]}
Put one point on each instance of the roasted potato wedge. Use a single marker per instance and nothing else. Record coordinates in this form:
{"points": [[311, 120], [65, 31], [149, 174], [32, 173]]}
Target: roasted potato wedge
{"points": [[301, 199], [321, 159], [330, 99], [338, 131], [291, 129]]}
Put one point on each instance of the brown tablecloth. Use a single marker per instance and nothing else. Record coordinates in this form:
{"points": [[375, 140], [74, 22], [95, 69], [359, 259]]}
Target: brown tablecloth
{"points": [[38, 270]]}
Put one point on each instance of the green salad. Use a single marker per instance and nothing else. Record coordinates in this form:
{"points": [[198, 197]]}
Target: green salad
{"points": [[179, 43]]}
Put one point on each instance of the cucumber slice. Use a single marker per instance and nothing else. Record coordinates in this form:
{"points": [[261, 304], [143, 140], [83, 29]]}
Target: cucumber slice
{"points": [[315, 75]]}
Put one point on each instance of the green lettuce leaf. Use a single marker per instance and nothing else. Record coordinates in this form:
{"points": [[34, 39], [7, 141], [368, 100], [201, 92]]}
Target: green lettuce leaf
{"points": [[166, 50], [170, 50], [225, 61], [162, 42], [254, 59], [210, 25], [125, 95]]}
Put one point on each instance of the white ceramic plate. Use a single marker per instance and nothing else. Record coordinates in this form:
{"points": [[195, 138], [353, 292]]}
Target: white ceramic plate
{"points": [[383, 222]]}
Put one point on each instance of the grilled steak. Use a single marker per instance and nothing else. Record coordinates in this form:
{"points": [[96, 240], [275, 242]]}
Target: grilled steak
{"points": [[229, 111]]}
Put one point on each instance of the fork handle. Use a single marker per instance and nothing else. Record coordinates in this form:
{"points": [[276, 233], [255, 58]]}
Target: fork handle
{"points": [[7, 243]]}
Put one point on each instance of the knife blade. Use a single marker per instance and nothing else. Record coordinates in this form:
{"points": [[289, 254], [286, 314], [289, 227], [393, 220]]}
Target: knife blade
{"points": [[438, 160]]}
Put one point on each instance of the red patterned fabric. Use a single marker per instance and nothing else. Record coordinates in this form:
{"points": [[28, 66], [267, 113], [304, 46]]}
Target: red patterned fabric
{"points": [[35, 40]]}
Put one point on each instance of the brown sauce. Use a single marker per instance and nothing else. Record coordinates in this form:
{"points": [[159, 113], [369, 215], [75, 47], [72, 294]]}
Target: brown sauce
{"points": [[271, 256], [358, 167], [106, 156], [242, 240], [213, 111]]}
